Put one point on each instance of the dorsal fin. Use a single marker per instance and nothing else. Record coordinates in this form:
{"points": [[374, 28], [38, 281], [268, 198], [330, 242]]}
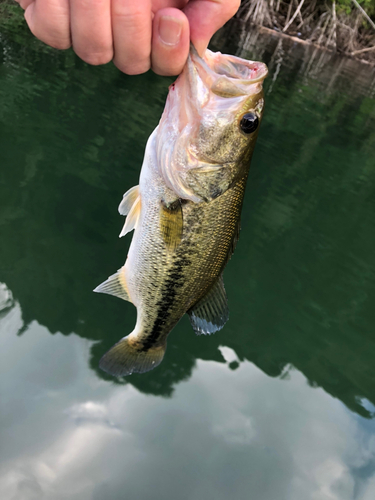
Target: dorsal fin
{"points": [[115, 285], [128, 200], [211, 313], [171, 223], [132, 217]]}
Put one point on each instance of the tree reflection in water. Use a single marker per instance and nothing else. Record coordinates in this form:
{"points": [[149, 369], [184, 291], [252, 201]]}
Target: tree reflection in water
{"points": [[301, 285]]}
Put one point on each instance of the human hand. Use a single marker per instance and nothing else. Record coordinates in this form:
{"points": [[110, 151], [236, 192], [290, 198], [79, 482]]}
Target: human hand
{"points": [[136, 34]]}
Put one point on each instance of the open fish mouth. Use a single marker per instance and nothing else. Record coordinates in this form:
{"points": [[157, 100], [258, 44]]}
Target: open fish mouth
{"points": [[203, 78], [214, 75], [224, 75]]}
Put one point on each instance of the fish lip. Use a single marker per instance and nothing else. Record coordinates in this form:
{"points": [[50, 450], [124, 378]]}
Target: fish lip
{"points": [[216, 74], [214, 67]]}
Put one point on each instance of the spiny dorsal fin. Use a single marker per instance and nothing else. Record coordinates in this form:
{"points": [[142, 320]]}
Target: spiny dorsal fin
{"points": [[211, 313], [128, 200], [115, 285], [129, 356], [171, 223], [132, 217]]}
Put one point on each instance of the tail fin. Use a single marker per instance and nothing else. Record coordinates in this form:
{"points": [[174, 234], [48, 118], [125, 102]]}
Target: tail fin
{"points": [[128, 356]]}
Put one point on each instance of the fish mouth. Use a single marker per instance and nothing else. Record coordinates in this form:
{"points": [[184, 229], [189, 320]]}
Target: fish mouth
{"points": [[224, 75], [218, 80]]}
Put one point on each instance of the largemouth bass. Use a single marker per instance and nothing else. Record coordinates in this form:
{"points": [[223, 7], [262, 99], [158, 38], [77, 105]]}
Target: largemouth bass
{"points": [[186, 209]]}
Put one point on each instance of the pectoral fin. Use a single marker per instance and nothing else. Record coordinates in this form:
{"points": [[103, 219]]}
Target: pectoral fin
{"points": [[171, 223], [132, 217], [128, 200], [211, 313], [115, 285]]}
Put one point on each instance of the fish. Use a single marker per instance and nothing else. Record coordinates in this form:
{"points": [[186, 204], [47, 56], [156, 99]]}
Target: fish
{"points": [[186, 210]]}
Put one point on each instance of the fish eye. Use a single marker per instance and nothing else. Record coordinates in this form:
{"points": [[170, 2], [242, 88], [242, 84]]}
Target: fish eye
{"points": [[249, 123]]}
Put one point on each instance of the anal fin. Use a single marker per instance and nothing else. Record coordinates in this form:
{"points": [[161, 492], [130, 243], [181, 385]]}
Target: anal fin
{"points": [[115, 285], [211, 313]]}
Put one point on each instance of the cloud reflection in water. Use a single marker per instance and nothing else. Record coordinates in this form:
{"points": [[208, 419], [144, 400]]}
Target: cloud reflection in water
{"points": [[224, 433]]}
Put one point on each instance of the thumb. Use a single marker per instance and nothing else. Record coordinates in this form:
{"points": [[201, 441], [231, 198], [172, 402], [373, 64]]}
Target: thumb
{"points": [[206, 17]]}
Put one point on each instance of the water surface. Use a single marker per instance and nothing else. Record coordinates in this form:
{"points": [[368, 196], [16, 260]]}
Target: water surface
{"points": [[279, 405]]}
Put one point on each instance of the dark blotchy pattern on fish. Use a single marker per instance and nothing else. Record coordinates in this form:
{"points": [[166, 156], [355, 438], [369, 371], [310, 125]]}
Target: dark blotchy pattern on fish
{"points": [[165, 304], [175, 282]]}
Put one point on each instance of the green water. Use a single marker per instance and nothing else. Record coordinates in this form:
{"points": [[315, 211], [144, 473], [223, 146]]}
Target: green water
{"points": [[279, 405]]}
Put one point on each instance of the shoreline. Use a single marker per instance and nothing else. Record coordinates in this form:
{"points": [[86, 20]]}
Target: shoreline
{"points": [[296, 39], [322, 24]]}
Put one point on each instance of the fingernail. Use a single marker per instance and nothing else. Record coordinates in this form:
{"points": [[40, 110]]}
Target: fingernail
{"points": [[170, 30]]}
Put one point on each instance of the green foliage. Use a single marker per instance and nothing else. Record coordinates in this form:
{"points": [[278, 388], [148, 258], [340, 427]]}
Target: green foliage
{"points": [[11, 14], [12, 18], [13, 25], [347, 6]]}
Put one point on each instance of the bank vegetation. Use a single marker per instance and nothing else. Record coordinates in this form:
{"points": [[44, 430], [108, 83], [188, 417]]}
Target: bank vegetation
{"points": [[345, 26]]}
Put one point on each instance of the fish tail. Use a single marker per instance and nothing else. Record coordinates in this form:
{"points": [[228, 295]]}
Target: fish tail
{"points": [[131, 356]]}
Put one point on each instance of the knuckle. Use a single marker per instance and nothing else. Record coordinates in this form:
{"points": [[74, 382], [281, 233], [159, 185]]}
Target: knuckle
{"points": [[132, 27], [62, 44], [95, 58], [24, 3], [132, 16], [92, 4], [132, 68], [232, 7], [56, 36], [163, 70]]}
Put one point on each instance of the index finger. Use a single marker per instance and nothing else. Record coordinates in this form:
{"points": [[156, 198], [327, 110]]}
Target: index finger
{"points": [[49, 21], [131, 28]]}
